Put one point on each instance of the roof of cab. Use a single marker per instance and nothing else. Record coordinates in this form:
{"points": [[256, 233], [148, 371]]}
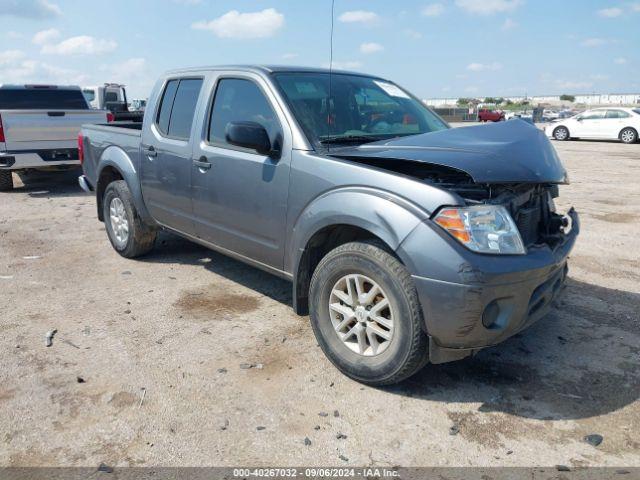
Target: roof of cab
{"points": [[266, 69]]}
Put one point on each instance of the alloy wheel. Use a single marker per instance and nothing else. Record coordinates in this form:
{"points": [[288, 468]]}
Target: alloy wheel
{"points": [[361, 315]]}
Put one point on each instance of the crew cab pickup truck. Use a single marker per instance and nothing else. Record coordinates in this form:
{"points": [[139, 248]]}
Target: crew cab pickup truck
{"points": [[405, 240], [486, 115], [39, 126]]}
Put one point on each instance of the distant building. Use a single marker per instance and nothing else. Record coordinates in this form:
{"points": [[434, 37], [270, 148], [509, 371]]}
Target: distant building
{"points": [[593, 99]]}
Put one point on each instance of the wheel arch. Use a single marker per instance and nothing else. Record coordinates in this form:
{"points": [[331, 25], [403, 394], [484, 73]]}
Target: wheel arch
{"points": [[114, 165], [342, 217]]}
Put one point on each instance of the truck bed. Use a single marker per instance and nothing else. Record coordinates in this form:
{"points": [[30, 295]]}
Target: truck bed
{"points": [[123, 136]]}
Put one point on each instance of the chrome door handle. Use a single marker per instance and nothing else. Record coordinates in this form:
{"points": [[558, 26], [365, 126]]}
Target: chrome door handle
{"points": [[202, 163], [149, 151]]}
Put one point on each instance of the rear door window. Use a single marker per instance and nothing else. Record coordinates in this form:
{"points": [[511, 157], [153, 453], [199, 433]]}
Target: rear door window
{"points": [[184, 107], [35, 98], [617, 114]]}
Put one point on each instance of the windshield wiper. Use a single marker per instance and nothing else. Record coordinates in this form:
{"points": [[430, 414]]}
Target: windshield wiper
{"points": [[350, 139]]}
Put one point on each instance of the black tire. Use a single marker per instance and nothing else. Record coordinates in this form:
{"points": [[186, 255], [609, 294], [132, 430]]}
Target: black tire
{"points": [[407, 351], [628, 135], [6, 181], [141, 237], [561, 133]]}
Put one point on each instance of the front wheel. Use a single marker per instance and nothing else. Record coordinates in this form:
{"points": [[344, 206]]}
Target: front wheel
{"points": [[366, 316], [628, 135], [129, 235], [561, 133]]}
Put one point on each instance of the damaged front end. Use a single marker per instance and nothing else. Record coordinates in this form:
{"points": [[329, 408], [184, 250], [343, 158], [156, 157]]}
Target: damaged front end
{"points": [[511, 164]]}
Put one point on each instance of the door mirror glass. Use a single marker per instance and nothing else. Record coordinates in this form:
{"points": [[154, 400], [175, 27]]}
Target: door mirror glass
{"points": [[248, 135]]}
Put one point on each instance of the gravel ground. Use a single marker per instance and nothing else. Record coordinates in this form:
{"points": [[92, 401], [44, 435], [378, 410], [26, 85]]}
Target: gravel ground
{"points": [[187, 357]]}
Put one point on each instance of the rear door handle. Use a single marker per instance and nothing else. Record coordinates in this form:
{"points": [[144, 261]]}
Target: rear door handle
{"points": [[202, 163], [149, 151]]}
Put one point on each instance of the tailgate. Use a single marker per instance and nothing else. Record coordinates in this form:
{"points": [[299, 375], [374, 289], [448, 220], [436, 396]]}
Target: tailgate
{"points": [[23, 129]]}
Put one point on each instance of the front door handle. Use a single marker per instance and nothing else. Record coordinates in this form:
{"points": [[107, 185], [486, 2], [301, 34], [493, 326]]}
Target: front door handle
{"points": [[149, 151], [202, 163]]}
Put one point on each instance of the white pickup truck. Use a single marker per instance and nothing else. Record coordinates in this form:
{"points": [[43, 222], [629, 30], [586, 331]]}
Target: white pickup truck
{"points": [[39, 126]]}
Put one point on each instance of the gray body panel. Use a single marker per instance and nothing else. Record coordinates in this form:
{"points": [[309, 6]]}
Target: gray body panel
{"points": [[264, 210]]}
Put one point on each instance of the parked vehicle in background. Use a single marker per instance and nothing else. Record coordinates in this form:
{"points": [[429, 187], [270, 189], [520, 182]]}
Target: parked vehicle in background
{"points": [[550, 115], [610, 123], [39, 126], [138, 104], [112, 97], [406, 241], [486, 115]]}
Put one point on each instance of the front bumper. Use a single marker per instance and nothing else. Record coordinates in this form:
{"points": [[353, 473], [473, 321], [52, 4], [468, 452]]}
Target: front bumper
{"points": [[38, 159], [483, 299]]}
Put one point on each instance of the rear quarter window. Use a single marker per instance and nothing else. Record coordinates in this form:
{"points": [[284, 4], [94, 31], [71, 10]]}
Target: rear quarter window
{"points": [[42, 99], [177, 107]]}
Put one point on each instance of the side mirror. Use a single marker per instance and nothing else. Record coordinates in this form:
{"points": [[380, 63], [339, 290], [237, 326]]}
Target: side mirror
{"points": [[249, 135]]}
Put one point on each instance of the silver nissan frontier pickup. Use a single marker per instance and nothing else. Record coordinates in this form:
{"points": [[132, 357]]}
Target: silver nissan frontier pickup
{"points": [[406, 241]]}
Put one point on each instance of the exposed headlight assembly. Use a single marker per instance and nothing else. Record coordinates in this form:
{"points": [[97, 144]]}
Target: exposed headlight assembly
{"points": [[482, 228]]}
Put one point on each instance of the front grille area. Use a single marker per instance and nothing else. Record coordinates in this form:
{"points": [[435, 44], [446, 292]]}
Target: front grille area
{"points": [[528, 222]]}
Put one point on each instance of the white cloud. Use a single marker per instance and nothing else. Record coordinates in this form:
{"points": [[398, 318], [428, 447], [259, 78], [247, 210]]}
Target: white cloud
{"points": [[594, 42], [31, 71], [290, 56], [599, 76], [371, 47], [80, 45], [413, 34], [46, 36], [433, 10], [481, 67], [10, 56], [620, 61], [471, 89], [234, 24], [610, 12], [37, 9], [509, 24], [13, 35], [488, 7], [635, 7], [344, 65], [359, 16]]}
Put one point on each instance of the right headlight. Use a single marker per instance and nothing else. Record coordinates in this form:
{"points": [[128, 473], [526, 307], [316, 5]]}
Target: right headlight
{"points": [[482, 228]]}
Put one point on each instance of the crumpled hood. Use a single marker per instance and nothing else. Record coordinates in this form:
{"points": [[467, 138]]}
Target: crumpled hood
{"points": [[504, 152]]}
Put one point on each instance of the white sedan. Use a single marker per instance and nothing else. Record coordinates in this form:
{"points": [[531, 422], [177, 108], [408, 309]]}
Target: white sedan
{"points": [[600, 123]]}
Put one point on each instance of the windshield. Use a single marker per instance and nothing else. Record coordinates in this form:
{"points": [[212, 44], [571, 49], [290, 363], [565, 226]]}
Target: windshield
{"points": [[362, 109]]}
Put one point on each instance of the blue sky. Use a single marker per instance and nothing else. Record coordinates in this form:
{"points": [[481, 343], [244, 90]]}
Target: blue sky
{"points": [[436, 48]]}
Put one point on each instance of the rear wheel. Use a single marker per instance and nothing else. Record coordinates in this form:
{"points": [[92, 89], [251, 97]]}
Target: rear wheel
{"points": [[129, 235], [561, 133], [366, 316], [6, 181], [628, 135]]}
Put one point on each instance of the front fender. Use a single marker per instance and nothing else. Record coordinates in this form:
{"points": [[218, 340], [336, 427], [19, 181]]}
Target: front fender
{"points": [[384, 214], [116, 158]]}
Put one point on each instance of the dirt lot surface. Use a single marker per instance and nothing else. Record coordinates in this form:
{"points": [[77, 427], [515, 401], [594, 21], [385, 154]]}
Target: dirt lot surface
{"points": [[149, 365]]}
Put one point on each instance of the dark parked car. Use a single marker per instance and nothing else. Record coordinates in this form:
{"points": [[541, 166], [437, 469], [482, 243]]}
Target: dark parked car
{"points": [[405, 240]]}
